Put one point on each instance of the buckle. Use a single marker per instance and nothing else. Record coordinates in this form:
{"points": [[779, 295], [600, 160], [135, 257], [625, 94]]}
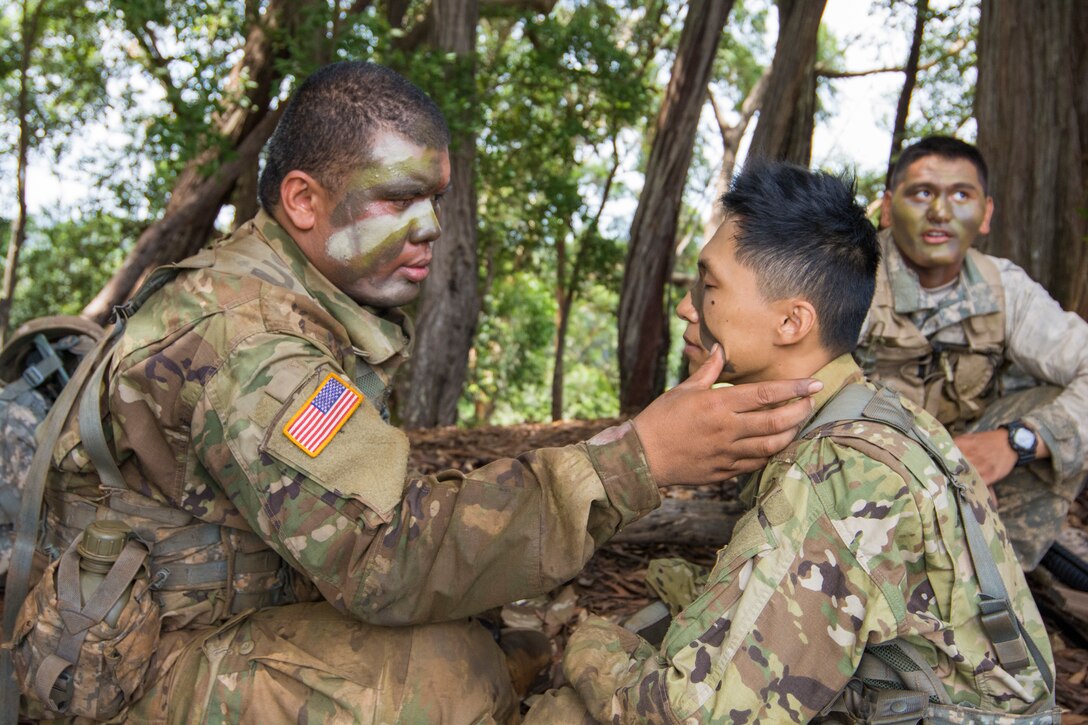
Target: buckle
{"points": [[33, 376], [1004, 634]]}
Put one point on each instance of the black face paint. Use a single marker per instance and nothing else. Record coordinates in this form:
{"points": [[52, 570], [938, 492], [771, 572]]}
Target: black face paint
{"points": [[706, 337]]}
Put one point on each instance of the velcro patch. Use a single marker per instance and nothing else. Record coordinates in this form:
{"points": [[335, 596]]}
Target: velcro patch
{"points": [[316, 422]]}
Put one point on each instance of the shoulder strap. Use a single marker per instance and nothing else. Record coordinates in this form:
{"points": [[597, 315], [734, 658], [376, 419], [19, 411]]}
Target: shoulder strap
{"points": [[91, 369], [1011, 642]]}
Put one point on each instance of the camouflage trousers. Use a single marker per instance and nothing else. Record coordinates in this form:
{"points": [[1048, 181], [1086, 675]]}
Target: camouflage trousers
{"points": [[310, 663], [1031, 500]]}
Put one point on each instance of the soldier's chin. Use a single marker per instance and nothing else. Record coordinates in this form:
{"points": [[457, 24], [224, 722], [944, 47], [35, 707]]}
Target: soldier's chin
{"points": [[394, 295]]}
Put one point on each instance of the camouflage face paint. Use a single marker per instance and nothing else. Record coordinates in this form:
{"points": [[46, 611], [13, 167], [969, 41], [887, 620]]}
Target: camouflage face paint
{"points": [[385, 222], [698, 293], [936, 213]]}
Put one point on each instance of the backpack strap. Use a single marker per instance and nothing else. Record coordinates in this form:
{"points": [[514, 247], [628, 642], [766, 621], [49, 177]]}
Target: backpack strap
{"points": [[91, 369], [26, 527], [1011, 642]]}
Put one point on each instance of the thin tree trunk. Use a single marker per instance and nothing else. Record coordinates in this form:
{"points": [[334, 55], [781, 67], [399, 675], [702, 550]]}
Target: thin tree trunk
{"points": [[567, 293], [245, 125], [450, 301], [29, 38], [902, 109], [784, 131], [643, 334], [1032, 111], [732, 135]]}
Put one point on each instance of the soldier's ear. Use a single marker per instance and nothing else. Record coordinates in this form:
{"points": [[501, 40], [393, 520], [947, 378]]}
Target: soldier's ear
{"points": [[984, 228], [796, 321], [886, 210], [302, 200]]}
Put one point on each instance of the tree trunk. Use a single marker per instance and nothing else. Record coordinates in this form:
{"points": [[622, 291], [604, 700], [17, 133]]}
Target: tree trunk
{"points": [[643, 334], [1032, 111], [29, 32], [784, 130], [902, 109], [732, 135], [245, 125], [450, 301], [568, 286]]}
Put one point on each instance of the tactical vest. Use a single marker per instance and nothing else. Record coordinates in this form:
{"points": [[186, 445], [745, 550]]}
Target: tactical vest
{"points": [[954, 383], [893, 684]]}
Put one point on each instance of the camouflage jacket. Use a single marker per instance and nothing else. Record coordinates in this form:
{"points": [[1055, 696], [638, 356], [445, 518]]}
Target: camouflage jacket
{"points": [[1039, 343], [216, 367], [838, 550]]}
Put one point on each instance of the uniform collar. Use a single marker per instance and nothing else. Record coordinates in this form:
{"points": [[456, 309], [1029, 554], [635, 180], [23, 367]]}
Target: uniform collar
{"points": [[377, 335], [907, 291], [835, 376]]}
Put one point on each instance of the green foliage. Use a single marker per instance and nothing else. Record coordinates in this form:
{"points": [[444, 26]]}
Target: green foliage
{"points": [[510, 358], [559, 88], [66, 260], [66, 75], [944, 98]]}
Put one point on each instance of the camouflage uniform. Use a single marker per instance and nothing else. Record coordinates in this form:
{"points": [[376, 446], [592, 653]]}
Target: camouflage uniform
{"points": [[838, 551], [19, 418], [206, 381], [996, 335]]}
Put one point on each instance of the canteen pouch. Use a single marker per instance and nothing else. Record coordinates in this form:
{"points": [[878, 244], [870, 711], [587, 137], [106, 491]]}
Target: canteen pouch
{"points": [[68, 658]]}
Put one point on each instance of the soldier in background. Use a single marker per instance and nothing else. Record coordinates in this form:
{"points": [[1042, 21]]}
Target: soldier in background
{"points": [[301, 574], [978, 343]]}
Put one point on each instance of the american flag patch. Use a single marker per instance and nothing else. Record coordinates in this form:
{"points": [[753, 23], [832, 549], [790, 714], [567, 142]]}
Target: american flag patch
{"points": [[314, 425]]}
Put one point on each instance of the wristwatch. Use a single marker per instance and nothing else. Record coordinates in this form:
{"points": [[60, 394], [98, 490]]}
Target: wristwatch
{"points": [[1023, 442]]}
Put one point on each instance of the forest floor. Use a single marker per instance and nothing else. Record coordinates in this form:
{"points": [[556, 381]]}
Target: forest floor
{"points": [[613, 582]]}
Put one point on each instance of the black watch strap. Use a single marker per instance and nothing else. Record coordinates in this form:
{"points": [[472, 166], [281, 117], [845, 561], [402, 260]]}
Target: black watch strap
{"points": [[1023, 441]]}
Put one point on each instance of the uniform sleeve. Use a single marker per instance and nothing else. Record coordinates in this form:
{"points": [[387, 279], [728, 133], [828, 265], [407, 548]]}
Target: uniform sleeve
{"points": [[1052, 346], [395, 550], [778, 631]]}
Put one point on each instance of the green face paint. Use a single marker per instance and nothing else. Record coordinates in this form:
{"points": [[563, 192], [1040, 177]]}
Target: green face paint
{"points": [[379, 249], [698, 294], [936, 212]]}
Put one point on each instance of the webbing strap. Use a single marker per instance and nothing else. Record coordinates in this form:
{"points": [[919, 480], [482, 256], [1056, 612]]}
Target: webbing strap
{"points": [[26, 529], [78, 619], [1011, 642], [91, 431]]}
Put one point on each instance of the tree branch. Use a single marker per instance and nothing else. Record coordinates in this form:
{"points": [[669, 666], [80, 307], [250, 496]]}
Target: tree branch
{"points": [[953, 49]]}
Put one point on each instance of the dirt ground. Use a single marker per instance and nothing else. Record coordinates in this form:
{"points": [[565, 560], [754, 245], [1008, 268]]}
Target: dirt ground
{"points": [[613, 583]]}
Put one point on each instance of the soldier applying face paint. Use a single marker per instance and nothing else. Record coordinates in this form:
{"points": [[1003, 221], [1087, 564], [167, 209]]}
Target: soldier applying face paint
{"points": [[301, 572]]}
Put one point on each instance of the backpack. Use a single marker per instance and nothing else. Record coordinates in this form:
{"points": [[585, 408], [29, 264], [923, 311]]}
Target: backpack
{"points": [[894, 685], [34, 366], [87, 375]]}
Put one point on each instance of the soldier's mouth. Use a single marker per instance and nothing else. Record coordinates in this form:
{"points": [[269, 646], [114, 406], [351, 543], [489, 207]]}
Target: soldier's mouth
{"points": [[936, 236]]}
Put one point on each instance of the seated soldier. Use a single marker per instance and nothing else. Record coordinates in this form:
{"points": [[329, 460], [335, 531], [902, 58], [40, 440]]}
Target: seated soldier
{"points": [[855, 548], [978, 343]]}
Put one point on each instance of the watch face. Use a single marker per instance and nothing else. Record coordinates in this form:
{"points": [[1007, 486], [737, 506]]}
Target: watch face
{"points": [[1024, 439]]}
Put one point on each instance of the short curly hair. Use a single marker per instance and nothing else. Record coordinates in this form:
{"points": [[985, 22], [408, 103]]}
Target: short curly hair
{"points": [[329, 125]]}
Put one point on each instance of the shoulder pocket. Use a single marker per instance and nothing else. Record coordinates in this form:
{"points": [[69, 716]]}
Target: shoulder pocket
{"points": [[357, 456]]}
